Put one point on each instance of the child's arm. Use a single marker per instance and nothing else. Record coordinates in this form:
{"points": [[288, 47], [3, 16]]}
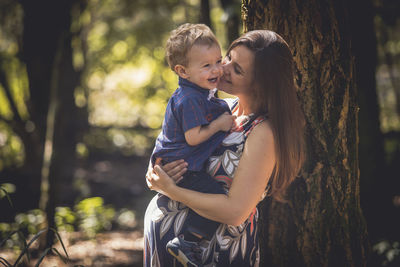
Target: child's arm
{"points": [[199, 134]]}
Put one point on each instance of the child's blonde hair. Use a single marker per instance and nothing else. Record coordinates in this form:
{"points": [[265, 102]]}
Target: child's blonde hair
{"points": [[183, 38]]}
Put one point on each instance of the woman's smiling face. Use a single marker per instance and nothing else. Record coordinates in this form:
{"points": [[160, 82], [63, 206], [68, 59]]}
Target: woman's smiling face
{"points": [[238, 71]]}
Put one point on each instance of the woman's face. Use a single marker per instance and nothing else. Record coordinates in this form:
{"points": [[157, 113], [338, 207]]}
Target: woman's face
{"points": [[238, 71]]}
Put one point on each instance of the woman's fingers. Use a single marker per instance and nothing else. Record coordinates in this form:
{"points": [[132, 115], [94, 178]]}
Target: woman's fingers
{"points": [[159, 174], [179, 175], [175, 169], [160, 177], [170, 166]]}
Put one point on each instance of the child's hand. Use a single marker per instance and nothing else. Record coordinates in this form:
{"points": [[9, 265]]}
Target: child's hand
{"points": [[225, 122]]}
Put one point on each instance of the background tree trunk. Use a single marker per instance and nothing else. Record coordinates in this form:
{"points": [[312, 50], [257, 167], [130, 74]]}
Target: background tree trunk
{"points": [[373, 172], [323, 224], [232, 11], [205, 13], [61, 130], [62, 161]]}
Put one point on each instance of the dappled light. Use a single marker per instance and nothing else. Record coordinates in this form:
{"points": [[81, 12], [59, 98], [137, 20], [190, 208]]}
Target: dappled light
{"points": [[96, 71]]}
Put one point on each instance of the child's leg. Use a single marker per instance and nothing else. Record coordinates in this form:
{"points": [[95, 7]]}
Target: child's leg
{"points": [[196, 225]]}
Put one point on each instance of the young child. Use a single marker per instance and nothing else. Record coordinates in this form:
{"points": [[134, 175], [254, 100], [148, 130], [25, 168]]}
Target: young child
{"points": [[195, 123]]}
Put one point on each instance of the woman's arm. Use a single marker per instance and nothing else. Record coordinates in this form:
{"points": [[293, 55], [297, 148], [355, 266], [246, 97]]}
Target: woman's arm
{"points": [[250, 180]]}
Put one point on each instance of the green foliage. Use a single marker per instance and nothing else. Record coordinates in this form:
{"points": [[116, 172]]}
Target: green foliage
{"points": [[90, 216], [11, 148], [119, 47], [31, 221], [392, 149], [5, 191], [388, 252], [17, 237], [93, 216], [128, 81], [65, 219], [388, 72]]}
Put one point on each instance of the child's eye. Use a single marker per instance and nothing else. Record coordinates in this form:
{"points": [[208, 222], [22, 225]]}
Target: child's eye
{"points": [[206, 65], [219, 61]]}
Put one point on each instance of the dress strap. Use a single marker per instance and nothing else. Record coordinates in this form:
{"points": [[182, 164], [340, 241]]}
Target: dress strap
{"points": [[253, 122]]}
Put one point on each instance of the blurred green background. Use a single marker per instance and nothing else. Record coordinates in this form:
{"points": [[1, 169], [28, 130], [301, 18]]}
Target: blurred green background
{"points": [[83, 89]]}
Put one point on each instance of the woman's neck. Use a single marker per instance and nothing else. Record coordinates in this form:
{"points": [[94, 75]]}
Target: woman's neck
{"points": [[244, 107]]}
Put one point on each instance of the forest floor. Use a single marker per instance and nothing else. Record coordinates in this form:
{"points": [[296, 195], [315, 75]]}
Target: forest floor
{"points": [[120, 182], [108, 249]]}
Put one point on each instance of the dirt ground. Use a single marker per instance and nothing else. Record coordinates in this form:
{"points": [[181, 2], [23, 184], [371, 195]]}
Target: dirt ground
{"points": [[120, 182], [110, 249]]}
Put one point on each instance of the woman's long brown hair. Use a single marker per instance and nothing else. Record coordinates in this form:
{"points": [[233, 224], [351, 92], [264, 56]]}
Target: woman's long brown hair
{"points": [[274, 94]]}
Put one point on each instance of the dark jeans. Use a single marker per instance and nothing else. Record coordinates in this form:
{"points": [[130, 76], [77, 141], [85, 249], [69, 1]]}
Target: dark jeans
{"points": [[204, 183]]}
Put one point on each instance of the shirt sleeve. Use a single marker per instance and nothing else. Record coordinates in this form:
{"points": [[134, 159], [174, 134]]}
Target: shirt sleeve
{"points": [[193, 113]]}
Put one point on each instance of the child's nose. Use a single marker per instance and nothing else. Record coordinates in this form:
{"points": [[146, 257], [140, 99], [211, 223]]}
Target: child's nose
{"points": [[218, 69]]}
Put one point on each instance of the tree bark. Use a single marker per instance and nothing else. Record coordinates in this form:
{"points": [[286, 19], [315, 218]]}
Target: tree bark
{"points": [[322, 225]]}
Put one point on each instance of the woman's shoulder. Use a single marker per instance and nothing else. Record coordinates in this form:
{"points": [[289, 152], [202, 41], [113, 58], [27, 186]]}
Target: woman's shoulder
{"points": [[262, 133]]}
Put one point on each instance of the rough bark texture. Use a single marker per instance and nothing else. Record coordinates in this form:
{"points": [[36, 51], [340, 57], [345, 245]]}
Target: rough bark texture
{"points": [[323, 224]]}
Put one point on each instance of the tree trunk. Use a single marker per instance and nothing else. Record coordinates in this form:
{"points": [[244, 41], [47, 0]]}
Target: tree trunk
{"points": [[205, 13], [64, 132], [59, 160], [322, 225], [232, 11], [37, 51], [373, 175]]}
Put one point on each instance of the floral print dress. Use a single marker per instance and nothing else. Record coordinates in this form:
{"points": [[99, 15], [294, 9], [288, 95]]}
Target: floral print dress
{"points": [[231, 245]]}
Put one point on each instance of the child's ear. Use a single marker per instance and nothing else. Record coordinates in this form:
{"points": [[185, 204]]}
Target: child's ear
{"points": [[181, 71]]}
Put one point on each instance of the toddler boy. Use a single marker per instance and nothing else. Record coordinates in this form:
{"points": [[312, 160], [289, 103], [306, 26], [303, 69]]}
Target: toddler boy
{"points": [[195, 123]]}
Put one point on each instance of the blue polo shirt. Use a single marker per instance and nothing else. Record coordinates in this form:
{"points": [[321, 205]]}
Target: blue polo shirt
{"points": [[189, 106]]}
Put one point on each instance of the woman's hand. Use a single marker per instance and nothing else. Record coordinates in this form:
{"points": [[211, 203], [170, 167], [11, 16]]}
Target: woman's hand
{"points": [[160, 181], [173, 171]]}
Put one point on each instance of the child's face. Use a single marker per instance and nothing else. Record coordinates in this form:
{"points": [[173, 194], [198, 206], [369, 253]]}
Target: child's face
{"points": [[204, 66]]}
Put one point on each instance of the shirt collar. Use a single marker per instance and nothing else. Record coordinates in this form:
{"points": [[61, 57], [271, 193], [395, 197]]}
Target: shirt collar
{"points": [[188, 84]]}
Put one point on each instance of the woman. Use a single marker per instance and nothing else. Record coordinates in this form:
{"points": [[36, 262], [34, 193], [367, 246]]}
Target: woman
{"points": [[265, 150]]}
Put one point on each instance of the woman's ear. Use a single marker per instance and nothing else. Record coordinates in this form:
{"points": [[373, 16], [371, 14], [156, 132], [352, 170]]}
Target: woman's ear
{"points": [[181, 71]]}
